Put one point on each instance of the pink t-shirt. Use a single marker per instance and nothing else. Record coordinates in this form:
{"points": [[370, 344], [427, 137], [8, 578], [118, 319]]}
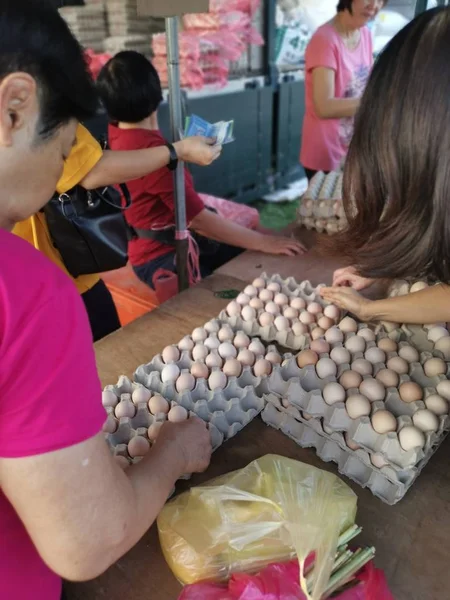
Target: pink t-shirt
{"points": [[48, 379], [325, 141]]}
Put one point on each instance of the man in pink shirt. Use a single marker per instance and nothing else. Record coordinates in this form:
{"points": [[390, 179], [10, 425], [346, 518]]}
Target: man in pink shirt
{"points": [[66, 508]]}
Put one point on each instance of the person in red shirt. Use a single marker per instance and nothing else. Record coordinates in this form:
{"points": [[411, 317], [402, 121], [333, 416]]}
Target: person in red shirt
{"points": [[130, 89]]}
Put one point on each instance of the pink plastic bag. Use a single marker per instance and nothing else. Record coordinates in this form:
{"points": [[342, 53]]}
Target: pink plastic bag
{"points": [[96, 62], [281, 582], [238, 213]]}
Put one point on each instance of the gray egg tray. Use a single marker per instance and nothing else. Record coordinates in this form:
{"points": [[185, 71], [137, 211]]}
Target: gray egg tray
{"points": [[302, 389], [321, 206], [388, 484]]}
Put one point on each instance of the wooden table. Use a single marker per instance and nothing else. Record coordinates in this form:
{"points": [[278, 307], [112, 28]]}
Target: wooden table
{"points": [[411, 538]]}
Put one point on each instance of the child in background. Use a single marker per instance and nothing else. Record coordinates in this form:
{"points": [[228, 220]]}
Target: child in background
{"points": [[130, 89]]}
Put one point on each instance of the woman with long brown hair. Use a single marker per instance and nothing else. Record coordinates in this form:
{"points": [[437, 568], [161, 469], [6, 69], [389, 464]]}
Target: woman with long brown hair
{"points": [[397, 179]]}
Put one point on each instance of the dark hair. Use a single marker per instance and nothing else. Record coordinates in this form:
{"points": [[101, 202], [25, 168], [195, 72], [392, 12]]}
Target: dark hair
{"points": [[129, 87], [396, 190], [345, 5], [36, 40]]}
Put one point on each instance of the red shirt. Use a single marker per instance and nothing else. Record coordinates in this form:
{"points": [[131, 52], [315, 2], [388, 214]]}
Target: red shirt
{"points": [[152, 196]]}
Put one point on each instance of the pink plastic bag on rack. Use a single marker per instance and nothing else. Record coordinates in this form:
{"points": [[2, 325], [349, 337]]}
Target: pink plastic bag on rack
{"points": [[281, 582], [248, 6]]}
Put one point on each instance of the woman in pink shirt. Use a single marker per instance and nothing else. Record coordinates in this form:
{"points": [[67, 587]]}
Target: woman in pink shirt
{"points": [[66, 508], [338, 60]]}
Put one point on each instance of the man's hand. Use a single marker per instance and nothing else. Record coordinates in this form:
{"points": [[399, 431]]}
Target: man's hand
{"points": [[192, 442], [348, 299], [349, 277], [198, 150], [271, 244]]}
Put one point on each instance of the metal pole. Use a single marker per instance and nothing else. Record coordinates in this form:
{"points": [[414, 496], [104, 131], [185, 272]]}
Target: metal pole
{"points": [[182, 243]]}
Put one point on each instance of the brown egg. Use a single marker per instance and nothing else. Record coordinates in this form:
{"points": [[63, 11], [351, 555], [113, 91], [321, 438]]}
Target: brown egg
{"points": [[398, 364], [387, 345], [307, 357], [317, 333], [384, 421], [225, 334], [299, 329], [352, 445], [153, 430], [256, 303], [434, 367], [259, 283], [138, 446], [281, 299], [320, 346], [410, 392], [246, 357], [232, 368], [348, 325], [388, 378], [325, 322], [241, 340], [266, 319], [350, 380], [262, 368], [409, 354], [177, 414], [275, 287], [199, 370], [298, 303], [314, 308], [157, 405], [266, 295], [307, 318], [290, 313]]}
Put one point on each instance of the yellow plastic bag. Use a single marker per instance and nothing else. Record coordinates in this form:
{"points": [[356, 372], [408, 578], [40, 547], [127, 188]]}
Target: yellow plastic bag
{"points": [[270, 511]]}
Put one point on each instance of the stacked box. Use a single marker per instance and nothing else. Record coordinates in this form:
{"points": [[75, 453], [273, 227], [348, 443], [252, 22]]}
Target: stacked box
{"points": [[87, 24], [321, 206]]}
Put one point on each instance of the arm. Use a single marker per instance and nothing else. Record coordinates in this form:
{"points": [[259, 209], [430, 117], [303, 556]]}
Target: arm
{"points": [[119, 167], [412, 308], [326, 105], [85, 511], [210, 225]]}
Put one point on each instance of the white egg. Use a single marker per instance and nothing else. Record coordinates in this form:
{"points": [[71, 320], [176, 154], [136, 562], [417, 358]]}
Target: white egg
{"points": [[290, 313], [307, 318], [358, 406], [434, 367], [246, 357], [266, 295], [199, 334], [317, 333], [141, 395], [109, 399], [256, 303], [274, 287], [443, 345], [200, 352], [425, 420], [217, 380], [388, 378], [362, 366], [281, 299], [334, 336], [298, 303], [248, 313], [378, 460], [383, 422], [299, 329], [266, 319], [282, 324], [375, 355], [321, 347], [341, 356], [199, 370], [170, 354], [241, 340], [259, 283], [387, 345], [326, 367], [409, 354], [212, 326], [372, 389], [262, 368], [355, 344], [170, 373], [186, 344], [437, 333], [274, 357], [332, 312], [419, 285], [437, 404], [333, 392], [348, 325], [185, 383], [243, 299], [177, 414], [157, 405], [138, 446], [213, 360], [233, 309], [251, 291], [110, 425], [257, 347], [411, 438], [398, 364], [325, 323], [227, 350], [125, 409], [232, 368], [225, 334], [367, 334], [213, 342], [443, 389], [272, 308]]}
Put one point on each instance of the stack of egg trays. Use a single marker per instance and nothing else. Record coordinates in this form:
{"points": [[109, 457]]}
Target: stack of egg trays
{"points": [[321, 207], [415, 335], [286, 339], [294, 391], [228, 410]]}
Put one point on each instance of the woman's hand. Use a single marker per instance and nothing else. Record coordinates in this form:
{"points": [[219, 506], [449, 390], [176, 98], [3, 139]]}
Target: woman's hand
{"points": [[198, 150], [349, 277], [348, 299], [272, 244]]}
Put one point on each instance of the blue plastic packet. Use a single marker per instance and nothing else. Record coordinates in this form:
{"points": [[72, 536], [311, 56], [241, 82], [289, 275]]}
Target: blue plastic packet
{"points": [[222, 131]]}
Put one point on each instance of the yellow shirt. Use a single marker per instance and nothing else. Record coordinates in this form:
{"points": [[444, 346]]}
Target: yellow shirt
{"points": [[84, 156]]}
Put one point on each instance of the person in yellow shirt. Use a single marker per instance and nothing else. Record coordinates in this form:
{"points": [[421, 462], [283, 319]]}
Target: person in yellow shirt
{"points": [[88, 165]]}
